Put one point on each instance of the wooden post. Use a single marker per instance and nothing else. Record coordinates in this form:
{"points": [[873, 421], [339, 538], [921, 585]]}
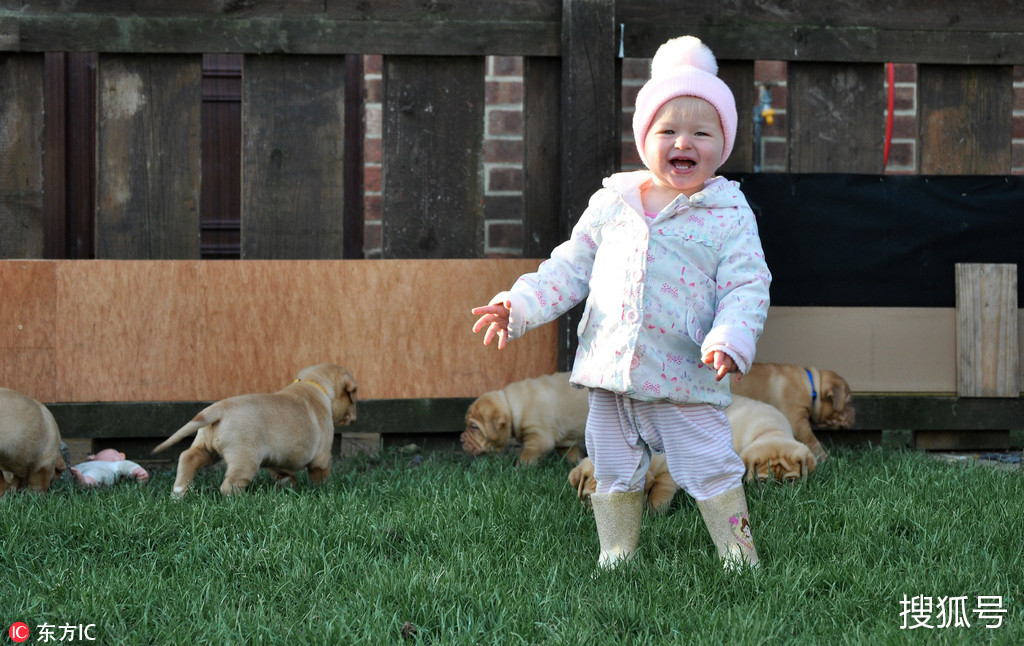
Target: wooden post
{"points": [[148, 157], [293, 169], [21, 156], [542, 203], [433, 157], [966, 119], [591, 103], [986, 330], [836, 118]]}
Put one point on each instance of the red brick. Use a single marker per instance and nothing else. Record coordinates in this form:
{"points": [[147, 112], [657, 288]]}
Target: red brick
{"points": [[769, 71], [505, 179], [904, 97], [373, 150], [635, 69], [373, 64], [902, 157], [503, 151], [372, 207], [1018, 127], [504, 122], [506, 65], [904, 73], [372, 178], [775, 156], [904, 126], [504, 235], [1018, 158], [373, 90], [504, 92]]}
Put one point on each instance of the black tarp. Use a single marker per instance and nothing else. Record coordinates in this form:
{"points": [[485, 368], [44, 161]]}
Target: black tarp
{"points": [[882, 241]]}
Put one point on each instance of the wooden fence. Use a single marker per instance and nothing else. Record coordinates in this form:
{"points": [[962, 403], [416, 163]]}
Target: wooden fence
{"points": [[145, 200]]}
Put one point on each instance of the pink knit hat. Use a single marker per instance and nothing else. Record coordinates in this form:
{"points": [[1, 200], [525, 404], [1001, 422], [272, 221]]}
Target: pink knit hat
{"points": [[684, 66]]}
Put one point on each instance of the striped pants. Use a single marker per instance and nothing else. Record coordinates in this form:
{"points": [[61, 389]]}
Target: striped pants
{"points": [[696, 440]]}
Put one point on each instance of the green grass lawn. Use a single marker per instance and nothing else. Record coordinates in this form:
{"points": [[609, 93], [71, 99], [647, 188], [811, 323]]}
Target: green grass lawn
{"points": [[460, 550]]}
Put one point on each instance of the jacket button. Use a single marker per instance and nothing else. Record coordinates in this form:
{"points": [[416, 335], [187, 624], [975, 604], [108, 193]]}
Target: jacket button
{"points": [[632, 316]]}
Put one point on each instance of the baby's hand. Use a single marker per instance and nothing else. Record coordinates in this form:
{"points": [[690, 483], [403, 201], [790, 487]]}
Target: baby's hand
{"points": [[495, 319], [721, 362], [140, 474]]}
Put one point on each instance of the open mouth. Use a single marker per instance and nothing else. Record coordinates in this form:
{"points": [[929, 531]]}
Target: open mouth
{"points": [[683, 164]]}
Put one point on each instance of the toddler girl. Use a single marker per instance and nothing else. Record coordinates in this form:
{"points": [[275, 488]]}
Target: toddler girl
{"points": [[676, 287]]}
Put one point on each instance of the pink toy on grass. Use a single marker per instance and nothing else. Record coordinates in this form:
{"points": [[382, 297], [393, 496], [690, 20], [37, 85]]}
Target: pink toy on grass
{"points": [[105, 467]]}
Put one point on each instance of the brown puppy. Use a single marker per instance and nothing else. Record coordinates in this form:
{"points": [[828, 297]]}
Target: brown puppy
{"points": [[30, 456], [285, 432], [804, 395], [763, 438], [761, 435], [659, 485], [544, 413]]}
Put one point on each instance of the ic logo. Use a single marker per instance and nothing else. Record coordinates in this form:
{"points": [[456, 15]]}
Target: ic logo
{"points": [[18, 632]]}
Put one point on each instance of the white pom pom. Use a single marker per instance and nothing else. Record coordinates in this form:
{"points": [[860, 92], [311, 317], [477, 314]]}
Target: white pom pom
{"points": [[678, 52]]}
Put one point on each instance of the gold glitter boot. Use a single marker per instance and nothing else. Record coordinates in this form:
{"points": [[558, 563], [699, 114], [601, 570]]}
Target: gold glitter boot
{"points": [[726, 518], [618, 525]]}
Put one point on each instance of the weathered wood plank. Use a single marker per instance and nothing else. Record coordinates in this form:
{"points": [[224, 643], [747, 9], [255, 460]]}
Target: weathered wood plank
{"points": [[55, 229], [433, 157], [279, 34], [21, 156], [293, 162], [744, 30], [998, 15], [341, 9], [988, 362], [814, 43], [739, 76], [542, 201], [148, 157], [966, 120], [901, 411], [836, 118]]}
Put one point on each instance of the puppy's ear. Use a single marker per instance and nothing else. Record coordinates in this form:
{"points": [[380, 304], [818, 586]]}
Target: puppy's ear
{"points": [[348, 383], [835, 389]]}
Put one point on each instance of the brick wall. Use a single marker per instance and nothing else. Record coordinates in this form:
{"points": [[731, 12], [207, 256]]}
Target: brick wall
{"points": [[503, 145]]}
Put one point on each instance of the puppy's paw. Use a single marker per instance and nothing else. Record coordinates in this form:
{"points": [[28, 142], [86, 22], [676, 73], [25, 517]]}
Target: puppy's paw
{"points": [[582, 480], [785, 460]]}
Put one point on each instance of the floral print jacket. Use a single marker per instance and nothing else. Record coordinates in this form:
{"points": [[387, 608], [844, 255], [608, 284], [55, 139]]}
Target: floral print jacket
{"points": [[660, 293]]}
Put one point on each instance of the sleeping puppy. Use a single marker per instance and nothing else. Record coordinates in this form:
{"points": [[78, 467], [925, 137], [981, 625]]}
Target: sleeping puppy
{"points": [[763, 438], [544, 413], [804, 395], [287, 431], [761, 435], [30, 445], [659, 485]]}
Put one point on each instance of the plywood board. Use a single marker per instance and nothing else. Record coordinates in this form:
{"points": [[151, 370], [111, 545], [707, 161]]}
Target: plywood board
{"points": [[195, 331], [204, 330], [27, 329], [988, 358], [875, 349]]}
